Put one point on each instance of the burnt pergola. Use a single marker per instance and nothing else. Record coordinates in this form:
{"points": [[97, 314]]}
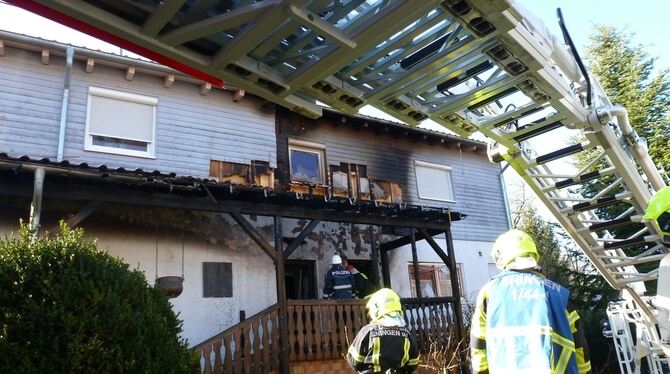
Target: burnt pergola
{"points": [[96, 185]]}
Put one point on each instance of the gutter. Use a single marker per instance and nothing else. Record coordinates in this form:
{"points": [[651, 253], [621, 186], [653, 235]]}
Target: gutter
{"points": [[64, 105]]}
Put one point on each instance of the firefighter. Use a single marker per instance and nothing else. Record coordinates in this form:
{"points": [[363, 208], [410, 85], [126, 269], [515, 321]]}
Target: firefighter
{"points": [[658, 213], [340, 283], [385, 344], [364, 287], [523, 322]]}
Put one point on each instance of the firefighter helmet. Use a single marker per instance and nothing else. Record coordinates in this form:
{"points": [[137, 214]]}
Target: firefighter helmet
{"points": [[511, 245], [382, 303], [658, 211]]}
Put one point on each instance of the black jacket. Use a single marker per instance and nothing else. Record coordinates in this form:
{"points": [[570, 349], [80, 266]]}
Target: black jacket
{"points": [[340, 283], [386, 343]]}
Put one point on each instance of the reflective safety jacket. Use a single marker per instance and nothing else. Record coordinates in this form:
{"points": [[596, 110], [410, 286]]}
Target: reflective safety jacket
{"points": [[339, 284], [378, 348], [523, 323]]}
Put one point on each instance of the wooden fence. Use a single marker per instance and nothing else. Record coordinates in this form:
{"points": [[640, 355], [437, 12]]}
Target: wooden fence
{"points": [[317, 330]]}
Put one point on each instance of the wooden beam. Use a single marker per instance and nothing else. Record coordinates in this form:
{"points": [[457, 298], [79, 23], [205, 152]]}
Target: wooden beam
{"points": [[374, 255], [393, 244], [168, 81], [63, 190], [75, 219], [296, 242], [160, 16], [89, 65], [284, 364], [130, 73], [255, 235], [2, 47], [205, 87], [45, 56], [238, 94], [415, 264], [438, 250], [456, 291]]}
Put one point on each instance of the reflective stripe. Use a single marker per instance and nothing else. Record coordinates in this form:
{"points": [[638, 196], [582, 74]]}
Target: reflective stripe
{"points": [[563, 342], [413, 362], [342, 287], [355, 354], [563, 361], [376, 352], [573, 317], [479, 362], [405, 355]]}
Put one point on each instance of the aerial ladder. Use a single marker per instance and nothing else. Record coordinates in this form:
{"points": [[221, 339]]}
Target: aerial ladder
{"points": [[472, 66]]}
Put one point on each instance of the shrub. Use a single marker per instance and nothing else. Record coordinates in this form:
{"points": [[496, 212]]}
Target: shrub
{"points": [[66, 306]]}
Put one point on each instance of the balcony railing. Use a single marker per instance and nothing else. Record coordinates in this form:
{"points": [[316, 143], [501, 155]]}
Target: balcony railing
{"points": [[317, 330]]}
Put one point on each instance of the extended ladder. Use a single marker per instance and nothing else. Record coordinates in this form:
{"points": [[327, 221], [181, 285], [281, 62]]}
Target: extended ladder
{"points": [[470, 65]]}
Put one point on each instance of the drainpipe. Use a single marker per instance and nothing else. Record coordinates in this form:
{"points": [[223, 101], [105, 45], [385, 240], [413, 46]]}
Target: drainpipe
{"points": [[637, 144], [36, 206], [66, 99], [505, 198]]}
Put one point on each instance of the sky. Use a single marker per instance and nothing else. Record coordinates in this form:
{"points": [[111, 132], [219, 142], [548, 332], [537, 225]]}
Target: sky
{"points": [[645, 18]]}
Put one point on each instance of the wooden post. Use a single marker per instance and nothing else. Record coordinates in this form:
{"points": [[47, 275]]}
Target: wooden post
{"points": [[386, 276], [284, 364], [415, 264], [374, 255], [453, 273]]}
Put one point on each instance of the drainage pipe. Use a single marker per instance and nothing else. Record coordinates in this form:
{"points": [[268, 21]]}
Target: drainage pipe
{"points": [[64, 105], [36, 205], [637, 144]]}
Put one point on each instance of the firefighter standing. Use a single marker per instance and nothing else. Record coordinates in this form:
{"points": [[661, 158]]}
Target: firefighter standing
{"points": [[523, 322], [385, 343], [364, 287], [340, 283]]}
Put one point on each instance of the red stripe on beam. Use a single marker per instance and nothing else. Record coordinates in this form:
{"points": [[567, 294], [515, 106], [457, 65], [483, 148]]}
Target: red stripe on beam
{"points": [[86, 28]]}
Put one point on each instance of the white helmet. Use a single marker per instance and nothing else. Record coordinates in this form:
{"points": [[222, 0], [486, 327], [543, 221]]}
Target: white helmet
{"points": [[336, 260]]}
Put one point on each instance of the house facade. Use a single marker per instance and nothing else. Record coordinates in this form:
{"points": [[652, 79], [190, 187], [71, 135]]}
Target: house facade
{"points": [[105, 126]]}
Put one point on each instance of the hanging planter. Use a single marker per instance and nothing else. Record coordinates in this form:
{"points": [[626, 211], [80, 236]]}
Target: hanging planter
{"points": [[172, 285]]}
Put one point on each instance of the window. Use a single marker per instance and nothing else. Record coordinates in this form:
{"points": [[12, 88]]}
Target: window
{"points": [[306, 161], [434, 280], [120, 122], [217, 279], [433, 181]]}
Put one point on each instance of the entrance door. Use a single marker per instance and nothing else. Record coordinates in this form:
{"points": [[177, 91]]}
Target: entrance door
{"points": [[300, 279]]}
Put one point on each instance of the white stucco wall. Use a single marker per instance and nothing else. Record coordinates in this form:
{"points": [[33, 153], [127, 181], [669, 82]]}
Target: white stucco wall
{"points": [[474, 256]]}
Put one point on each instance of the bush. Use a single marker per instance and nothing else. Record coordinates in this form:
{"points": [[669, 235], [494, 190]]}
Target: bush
{"points": [[66, 306]]}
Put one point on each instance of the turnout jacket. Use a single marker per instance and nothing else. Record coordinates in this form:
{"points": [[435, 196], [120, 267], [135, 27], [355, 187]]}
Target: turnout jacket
{"points": [[339, 284], [378, 348], [523, 323]]}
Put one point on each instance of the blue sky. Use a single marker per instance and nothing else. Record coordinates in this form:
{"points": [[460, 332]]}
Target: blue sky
{"points": [[645, 18]]}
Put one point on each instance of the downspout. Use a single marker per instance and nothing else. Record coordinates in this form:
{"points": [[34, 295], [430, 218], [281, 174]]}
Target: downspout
{"points": [[505, 198], [36, 205], [64, 105], [637, 144]]}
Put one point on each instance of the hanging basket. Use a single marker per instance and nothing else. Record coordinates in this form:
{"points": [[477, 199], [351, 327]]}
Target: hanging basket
{"points": [[171, 285]]}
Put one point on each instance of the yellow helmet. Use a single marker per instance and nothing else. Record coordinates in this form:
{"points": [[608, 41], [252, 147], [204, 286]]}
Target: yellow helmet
{"points": [[382, 303], [512, 244], [658, 211]]}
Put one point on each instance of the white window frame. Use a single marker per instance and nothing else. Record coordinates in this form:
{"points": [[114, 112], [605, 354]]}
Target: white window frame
{"points": [[122, 96], [435, 282], [312, 147], [450, 181]]}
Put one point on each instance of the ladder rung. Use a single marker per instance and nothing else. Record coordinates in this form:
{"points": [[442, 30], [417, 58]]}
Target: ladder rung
{"points": [[603, 201], [625, 243], [559, 153], [581, 178], [610, 224], [506, 92], [537, 131], [452, 82]]}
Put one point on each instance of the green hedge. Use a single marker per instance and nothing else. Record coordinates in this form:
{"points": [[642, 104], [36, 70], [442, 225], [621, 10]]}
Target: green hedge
{"points": [[66, 306]]}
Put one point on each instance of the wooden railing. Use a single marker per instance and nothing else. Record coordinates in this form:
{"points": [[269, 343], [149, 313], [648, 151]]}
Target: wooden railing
{"points": [[431, 320], [323, 329], [317, 330], [249, 347]]}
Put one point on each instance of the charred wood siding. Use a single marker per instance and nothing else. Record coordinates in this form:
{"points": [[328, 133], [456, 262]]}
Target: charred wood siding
{"points": [[476, 182]]}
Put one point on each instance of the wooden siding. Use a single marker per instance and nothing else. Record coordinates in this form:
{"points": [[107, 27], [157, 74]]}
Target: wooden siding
{"points": [[191, 129], [476, 181]]}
